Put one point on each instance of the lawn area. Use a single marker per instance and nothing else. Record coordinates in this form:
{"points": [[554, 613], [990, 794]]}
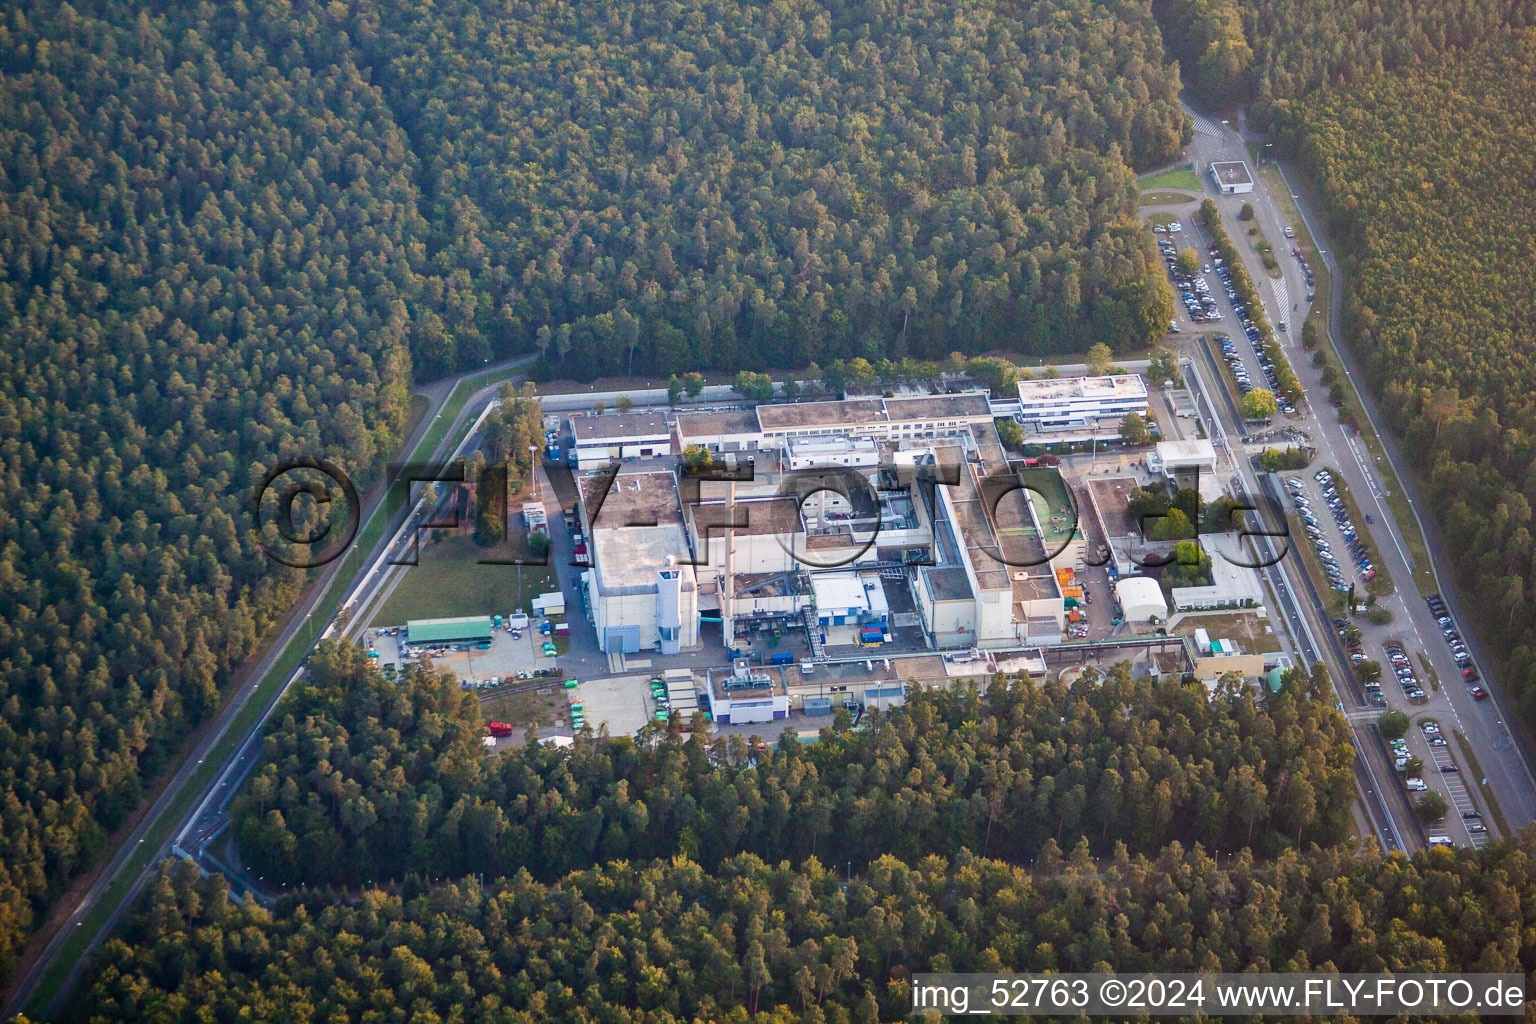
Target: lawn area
{"points": [[543, 706], [1246, 628], [1397, 500], [1165, 198], [1260, 243], [452, 580], [1180, 177]]}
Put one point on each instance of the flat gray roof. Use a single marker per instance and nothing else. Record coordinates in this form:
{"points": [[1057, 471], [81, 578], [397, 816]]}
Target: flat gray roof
{"points": [[1109, 496], [847, 413], [948, 583], [635, 499], [763, 516], [1232, 172], [858, 411], [710, 424], [939, 407], [602, 426]]}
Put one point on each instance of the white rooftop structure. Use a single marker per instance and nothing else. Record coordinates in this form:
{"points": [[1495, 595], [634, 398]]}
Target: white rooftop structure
{"points": [[1233, 583], [1141, 599], [831, 450], [839, 593], [599, 438], [1232, 177], [1170, 457], [1053, 404]]}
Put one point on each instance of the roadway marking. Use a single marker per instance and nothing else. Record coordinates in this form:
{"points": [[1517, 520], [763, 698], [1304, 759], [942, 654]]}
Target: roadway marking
{"points": [[1282, 298], [1202, 124]]}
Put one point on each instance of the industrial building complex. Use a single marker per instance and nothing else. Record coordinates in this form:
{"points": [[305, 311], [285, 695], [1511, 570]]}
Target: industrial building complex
{"points": [[854, 520], [758, 562], [828, 531]]}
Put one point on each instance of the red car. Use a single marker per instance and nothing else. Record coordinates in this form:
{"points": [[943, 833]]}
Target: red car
{"points": [[1478, 693]]}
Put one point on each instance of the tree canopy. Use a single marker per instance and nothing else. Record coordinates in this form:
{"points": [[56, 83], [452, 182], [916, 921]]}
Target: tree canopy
{"points": [[668, 186], [211, 262], [667, 941], [1424, 173], [367, 779], [1275, 53]]}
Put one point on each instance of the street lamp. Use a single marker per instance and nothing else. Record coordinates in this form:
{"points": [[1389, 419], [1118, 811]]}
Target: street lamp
{"points": [[533, 467]]}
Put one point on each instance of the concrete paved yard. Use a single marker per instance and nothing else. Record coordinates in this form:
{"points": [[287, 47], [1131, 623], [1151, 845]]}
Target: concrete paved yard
{"points": [[622, 702], [506, 657]]}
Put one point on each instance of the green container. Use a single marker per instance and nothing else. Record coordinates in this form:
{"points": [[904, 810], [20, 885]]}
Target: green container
{"points": [[570, 684]]}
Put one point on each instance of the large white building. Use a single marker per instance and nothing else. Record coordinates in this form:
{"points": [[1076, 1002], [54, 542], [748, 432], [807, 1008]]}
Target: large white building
{"points": [[1141, 599], [991, 582], [783, 547], [1235, 583], [642, 588], [893, 419], [851, 452], [1066, 404], [721, 432], [1173, 457], [741, 696]]}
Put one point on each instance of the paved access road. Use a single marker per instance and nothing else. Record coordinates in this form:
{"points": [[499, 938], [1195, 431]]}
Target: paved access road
{"points": [[202, 827], [1508, 774]]}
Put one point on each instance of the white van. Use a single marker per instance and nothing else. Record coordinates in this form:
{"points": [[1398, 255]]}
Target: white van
{"points": [[1415, 785], [1440, 841]]}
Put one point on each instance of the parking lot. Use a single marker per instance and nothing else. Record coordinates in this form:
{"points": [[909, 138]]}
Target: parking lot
{"points": [[1458, 648], [1333, 535], [1199, 294], [1442, 764], [1194, 290], [507, 656]]}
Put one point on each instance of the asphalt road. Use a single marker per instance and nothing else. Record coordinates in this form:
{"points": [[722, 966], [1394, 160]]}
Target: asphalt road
{"points": [[1340, 448], [1298, 600]]}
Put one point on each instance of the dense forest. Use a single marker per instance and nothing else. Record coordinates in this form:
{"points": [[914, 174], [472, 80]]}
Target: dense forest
{"points": [[1426, 176], [667, 941], [233, 234], [1271, 53], [364, 779], [668, 186], [209, 262]]}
